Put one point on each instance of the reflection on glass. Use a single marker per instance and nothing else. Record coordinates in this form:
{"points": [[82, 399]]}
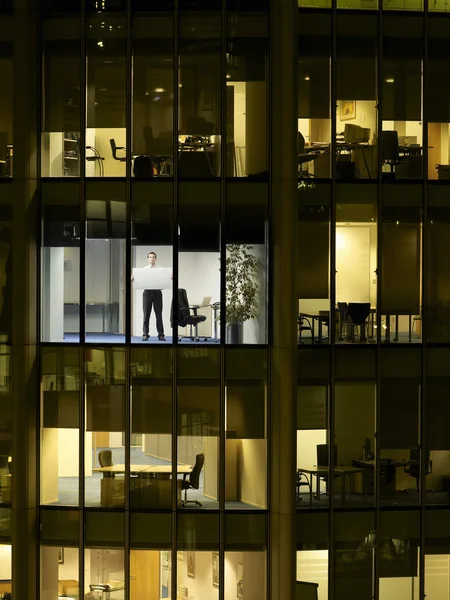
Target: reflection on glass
{"points": [[437, 553], [246, 429], [314, 124], [358, 4], [5, 425], [60, 140], [409, 4], [312, 573], [356, 265], [59, 572], [105, 573], [247, 58], [6, 238], [151, 428], [6, 100], [104, 468], [315, 3], [105, 262], [198, 402], [60, 262], [60, 401], [153, 96], [106, 151], [402, 135], [199, 95], [356, 109]]}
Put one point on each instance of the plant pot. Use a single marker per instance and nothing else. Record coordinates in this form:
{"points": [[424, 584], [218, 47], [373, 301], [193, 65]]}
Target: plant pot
{"points": [[235, 333]]}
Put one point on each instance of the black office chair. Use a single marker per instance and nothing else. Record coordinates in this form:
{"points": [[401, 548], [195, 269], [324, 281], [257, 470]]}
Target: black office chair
{"points": [[185, 318], [302, 480], [105, 460], [390, 151], [322, 461], [358, 312], [114, 149], [343, 316], [413, 469], [302, 327], [304, 157], [158, 150], [193, 483]]}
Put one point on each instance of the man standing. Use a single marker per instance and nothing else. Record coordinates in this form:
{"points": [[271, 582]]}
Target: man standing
{"points": [[153, 298]]}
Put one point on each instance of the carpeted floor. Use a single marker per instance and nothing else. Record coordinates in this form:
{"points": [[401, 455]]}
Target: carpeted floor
{"points": [[116, 338]]}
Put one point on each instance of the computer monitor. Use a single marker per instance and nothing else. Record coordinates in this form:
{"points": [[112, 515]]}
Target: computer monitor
{"points": [[354, 134], [306, 590]]}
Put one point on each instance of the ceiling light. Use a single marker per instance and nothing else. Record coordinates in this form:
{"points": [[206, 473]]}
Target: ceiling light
{"points": [[307, 78], [228, 76], [100, 44], [159, 90], [390, 80]]}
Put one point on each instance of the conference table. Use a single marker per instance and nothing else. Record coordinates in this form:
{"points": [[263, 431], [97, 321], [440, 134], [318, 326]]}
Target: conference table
{"points": [[346, 472], [157, 470]]}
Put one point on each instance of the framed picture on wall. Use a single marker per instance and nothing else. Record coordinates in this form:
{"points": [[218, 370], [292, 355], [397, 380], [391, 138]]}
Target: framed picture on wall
{"points": [[215, 569], [180, 556], [348, 110], [191, 564], [240, 581], [61, 556]]}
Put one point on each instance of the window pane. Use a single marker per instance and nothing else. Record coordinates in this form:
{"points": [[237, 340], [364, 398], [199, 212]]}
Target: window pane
{"points": [[59, 572], [314, 123], [104, 468], [150, 573], [152, 246], [6, 102], [246, 428], [252, 566], [401, 272], [6, 237], [61, 98], [153, 96], [199, 233], [356, 263], [105, 262], [246, 92], [151, 427], [60, 406], [437, 553], [6, 424], [198, 423], [106, 151], [313, 270], [356, 111], [106, 567], [199, 97], [60, 262], [406, 4], [398, 430], [358, 4], [402, 136], [246, 238]]}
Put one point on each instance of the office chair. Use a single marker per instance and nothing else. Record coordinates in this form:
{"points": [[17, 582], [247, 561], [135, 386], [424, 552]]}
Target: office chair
{"points": [[357, 316], [105, 460], [390, 150], [194, 480], [114, 149], [186, 318], [343, 316], [302, 327], [413, 469], [159, 150], [302, 480], [322, 461], [304, 157]]}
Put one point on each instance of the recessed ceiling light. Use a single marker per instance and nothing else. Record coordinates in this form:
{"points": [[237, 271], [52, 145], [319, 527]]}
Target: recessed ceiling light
{"points": [[390, 80], [159, 90]]}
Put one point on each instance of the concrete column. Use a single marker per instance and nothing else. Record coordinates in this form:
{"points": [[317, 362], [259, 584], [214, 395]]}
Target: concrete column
{"points": [[24, 326], [284, 298]]}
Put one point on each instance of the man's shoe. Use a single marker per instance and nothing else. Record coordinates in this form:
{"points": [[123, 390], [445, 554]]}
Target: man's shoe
{"points": [[162, 338], [145, 338]]}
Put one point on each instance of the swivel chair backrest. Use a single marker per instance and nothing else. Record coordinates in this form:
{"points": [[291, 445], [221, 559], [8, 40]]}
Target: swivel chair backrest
{"points": [[300, 143], [389, 146], [358, 312], [194, 477], [105, 458]]}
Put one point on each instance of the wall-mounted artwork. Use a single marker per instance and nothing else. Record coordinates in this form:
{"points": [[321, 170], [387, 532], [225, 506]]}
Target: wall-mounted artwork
{"points": [[240, 582], [215, 569], [348, 110], [191, 564]]}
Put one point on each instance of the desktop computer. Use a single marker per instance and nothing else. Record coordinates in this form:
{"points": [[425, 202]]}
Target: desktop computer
{"points": [[354, 134]]}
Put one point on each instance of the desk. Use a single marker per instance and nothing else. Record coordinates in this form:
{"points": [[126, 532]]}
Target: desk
{"points": [[151, 483], [322, 316], [385, 464], [350, 147], [343, 471]]}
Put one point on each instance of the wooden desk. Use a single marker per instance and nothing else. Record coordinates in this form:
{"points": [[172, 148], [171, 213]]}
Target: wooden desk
{"points": [[137, 469]]}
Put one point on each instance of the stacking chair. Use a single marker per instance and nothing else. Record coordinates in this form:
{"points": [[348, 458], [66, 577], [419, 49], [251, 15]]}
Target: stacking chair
{"points": [[303, 327], [304, 157], [114, 149], [302, 480], [322, 461], [413, 469]]}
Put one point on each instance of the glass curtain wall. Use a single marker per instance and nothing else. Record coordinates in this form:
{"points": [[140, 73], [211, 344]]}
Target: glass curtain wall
{"points": [[373, 333]]}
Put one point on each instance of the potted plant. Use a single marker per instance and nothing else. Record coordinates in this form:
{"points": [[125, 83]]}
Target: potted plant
{"points": [[241, 291]]}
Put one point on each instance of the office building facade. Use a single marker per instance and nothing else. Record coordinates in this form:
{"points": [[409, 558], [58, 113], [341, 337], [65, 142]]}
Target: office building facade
{"points": [[268, 406]]}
